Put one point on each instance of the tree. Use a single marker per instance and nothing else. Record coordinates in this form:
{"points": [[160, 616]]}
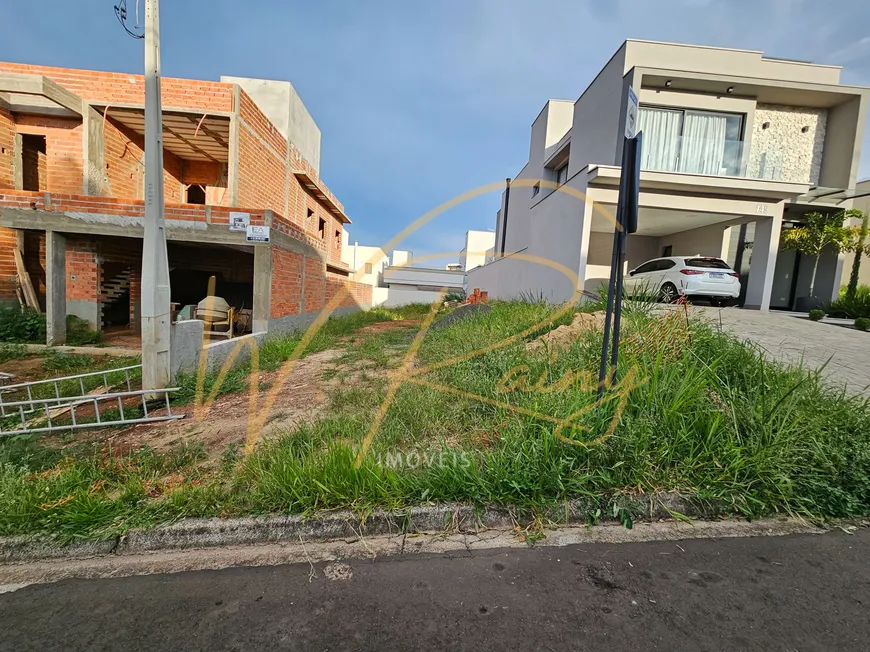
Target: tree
{"points": [[859, 249], [819, 232]]}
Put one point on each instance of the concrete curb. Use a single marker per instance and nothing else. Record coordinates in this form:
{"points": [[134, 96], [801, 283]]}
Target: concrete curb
{"points": [[446, 517]]}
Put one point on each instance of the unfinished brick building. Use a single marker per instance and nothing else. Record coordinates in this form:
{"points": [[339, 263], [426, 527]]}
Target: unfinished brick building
{"points": [[71, 196]]}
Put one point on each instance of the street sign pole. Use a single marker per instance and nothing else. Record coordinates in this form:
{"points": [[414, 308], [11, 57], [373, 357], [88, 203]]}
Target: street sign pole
{"points": [[626, 222], [155, 261]]}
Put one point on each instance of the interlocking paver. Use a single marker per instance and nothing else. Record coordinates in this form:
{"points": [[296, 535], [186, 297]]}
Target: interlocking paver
{"points": [[793, 339]]}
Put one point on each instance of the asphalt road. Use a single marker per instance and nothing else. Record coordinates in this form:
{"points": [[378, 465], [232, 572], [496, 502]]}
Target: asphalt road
{"points": [[788, 593]]}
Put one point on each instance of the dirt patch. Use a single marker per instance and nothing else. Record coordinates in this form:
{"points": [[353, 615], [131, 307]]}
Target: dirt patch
{"points": [[383, 326], [23, 369], [303, 397], [561, 338], [31, 368]]}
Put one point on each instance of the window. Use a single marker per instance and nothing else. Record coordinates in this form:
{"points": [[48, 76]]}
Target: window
{"points": [[195, 194], [695, 142], [309, 216], [338, 239], [33, 163], [562, 174], [708, 263], [321, 228], [368, 268], [536, 189], [651, 266], [667, 250], [664, 264]]}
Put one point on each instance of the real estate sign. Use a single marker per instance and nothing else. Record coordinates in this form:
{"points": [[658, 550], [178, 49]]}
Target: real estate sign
{"points": [[257, 233], [239, 221]]}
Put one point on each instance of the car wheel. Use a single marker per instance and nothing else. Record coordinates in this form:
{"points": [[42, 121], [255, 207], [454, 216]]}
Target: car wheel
{"points": [[668, 293]]}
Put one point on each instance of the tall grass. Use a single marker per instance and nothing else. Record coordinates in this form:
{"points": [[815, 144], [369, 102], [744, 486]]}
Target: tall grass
{"points": [[712, 418]]}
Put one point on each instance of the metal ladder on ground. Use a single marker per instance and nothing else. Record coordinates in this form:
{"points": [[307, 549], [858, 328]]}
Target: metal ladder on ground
{"points": [[62, 404]]}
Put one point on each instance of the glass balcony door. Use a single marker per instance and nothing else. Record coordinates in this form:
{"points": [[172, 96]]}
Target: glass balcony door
{"points": [[694, 142], [661, 138]]}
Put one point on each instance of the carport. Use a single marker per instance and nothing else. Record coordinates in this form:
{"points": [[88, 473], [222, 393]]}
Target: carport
{"points": [[683, 214]]}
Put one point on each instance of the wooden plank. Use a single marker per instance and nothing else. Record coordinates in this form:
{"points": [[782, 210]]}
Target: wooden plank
{"points": [[24, 279], [53, 413]]}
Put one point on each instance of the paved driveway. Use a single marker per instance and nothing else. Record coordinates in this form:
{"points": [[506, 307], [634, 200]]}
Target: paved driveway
{"points": [[794, 339]]}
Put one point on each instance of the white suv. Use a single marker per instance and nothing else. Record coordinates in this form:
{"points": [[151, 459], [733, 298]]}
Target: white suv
{"points": [[690, 276]]}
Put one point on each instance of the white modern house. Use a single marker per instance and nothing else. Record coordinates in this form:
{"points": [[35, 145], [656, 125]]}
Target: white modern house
{"points": [[479, 247], [368, 263], [409, 284], [736, 147], [394, 281]]}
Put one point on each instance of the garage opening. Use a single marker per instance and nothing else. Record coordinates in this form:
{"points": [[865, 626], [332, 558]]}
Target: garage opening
{"points": [[191, 268], [33, 163]]}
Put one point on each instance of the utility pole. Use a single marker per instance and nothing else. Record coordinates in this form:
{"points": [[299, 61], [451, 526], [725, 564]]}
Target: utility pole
{"points": [[155, 262]]}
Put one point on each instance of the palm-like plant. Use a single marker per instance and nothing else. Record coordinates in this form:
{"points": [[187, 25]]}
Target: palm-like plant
{"points": [[819, 232]]}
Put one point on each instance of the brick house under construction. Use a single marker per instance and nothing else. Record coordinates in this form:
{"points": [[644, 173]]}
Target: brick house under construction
{"points": [[71, 196]]}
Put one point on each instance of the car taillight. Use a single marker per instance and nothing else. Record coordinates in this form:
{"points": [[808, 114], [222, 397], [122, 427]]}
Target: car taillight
{"points": [[734, 274], [691, 272]]}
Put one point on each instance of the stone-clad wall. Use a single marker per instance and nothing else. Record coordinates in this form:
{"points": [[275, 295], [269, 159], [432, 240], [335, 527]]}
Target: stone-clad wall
{"points": [[782, 151]]}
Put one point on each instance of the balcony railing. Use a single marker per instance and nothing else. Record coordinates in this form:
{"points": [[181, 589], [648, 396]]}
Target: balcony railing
{"points": [[716, 157]]}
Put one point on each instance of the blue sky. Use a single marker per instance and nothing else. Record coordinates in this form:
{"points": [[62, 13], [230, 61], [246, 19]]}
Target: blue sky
{"points": [[419, 102]]}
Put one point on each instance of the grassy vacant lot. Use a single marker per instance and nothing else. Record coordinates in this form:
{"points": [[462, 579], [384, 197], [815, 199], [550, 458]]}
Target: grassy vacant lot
{"points": [[705, 416]]}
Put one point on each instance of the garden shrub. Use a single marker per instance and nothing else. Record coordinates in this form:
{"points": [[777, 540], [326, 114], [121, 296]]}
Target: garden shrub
{"points": [[816, 315], [862, 324], [21, 324], [79, 332], [851, 307]]}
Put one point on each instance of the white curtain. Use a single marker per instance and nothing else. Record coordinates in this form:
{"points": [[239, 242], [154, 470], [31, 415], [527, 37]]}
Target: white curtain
{"points": [[661, 138], [703, 144]]}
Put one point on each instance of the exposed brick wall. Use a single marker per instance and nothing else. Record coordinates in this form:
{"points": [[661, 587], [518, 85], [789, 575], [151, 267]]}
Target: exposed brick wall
{"points": [[262, 159], [8, 273], [63, 150], [315, 284], [358, 294], [81, 262], [124, 161], [286, 293], [7, 149], [122, 88], [125, 165], [212, 176], [23, 199], [266, 178]]}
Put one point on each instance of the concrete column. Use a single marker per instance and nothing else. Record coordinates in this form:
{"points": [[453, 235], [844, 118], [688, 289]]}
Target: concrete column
{"points": [[764, 251], [55, 288], [93, 153], [585, 235], [17, 169], [233, 153], [262, 287]]}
